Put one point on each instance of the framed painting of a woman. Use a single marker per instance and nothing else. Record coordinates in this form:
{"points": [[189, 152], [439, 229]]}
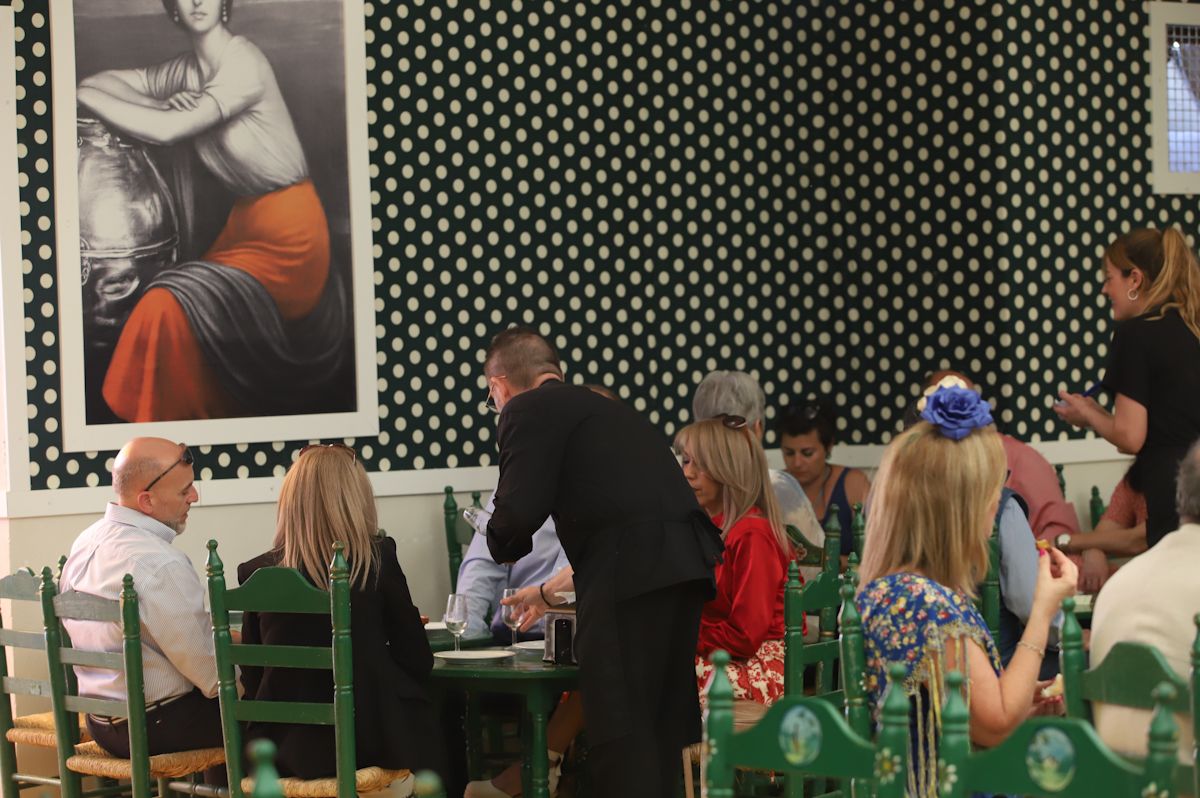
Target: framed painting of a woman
{"points": [[215, 262]]}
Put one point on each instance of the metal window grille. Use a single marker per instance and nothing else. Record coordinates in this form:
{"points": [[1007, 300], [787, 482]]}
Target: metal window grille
{"points": [[1183, 98]]}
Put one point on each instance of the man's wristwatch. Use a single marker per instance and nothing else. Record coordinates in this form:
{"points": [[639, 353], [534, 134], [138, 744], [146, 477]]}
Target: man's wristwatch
{"points": [[1063, 541]]}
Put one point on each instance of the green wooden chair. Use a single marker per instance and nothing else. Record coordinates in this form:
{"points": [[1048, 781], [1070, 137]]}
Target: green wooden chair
{"points": [[814, 555], [1129, 677], [1048, 756], [804, 736], [278, 589], [833, 540], [89, 759], [989, 600], [1096, 506], [858, 528], [35, 729], [853, 656], [458, 532]]}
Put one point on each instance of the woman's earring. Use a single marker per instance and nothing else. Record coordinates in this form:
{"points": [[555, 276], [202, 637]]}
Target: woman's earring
{"points": [[1132, 294], [175, 16], [225, 11]]}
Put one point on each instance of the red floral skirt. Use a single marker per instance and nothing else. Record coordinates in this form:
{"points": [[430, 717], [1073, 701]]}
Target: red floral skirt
{"points": [[758, 679]]}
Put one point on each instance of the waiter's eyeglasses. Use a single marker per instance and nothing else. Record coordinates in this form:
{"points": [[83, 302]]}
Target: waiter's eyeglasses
{"points": [[490, 403], [185, 457], [340, 446], [732, 422]]}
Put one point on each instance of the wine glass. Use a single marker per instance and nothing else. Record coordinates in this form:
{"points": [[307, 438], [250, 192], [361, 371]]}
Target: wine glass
{"points": [[456, 617], [477, 518], [510, 613]]}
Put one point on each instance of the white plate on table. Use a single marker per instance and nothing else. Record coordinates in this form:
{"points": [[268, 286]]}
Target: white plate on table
{"points": [[531, 645], [434, 625], [1083, 601], [475, 654]]}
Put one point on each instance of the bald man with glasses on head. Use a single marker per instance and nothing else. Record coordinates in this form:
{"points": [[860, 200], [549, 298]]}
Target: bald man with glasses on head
{"points": [[154, 485]]}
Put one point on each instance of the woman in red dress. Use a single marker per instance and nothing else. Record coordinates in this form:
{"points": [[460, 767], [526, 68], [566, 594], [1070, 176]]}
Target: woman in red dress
{"points": [[727, 468]]}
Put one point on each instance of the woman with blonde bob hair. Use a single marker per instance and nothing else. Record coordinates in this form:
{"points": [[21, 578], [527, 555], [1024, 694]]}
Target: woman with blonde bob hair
{"points": [[326, 498], [932, 507], [727, 468]]}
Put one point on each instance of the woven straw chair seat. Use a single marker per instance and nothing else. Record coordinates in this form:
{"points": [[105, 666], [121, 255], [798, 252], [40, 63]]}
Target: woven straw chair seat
{"points": [[91, 760], [370, 779], [38, 730]]}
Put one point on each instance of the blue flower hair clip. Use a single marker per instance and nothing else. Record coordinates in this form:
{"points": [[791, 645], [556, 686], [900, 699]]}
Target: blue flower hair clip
{"points": [[954, 408]]}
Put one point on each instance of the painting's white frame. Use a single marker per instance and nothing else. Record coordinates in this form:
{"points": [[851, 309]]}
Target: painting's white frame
{"points": [[1162, 179], [78, 435]]}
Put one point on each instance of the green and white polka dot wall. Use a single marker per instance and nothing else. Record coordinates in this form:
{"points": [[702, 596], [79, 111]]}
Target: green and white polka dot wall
{"points": [[837, 196]]}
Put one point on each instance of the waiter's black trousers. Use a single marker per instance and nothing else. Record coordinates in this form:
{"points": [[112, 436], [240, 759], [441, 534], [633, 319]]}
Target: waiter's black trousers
{"points": [[658, 634]]}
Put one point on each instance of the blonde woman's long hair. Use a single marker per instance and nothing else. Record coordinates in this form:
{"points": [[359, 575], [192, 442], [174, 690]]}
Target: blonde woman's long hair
{"points": [[933, 504], [1171, 269], [734, 459], [326, 498]]}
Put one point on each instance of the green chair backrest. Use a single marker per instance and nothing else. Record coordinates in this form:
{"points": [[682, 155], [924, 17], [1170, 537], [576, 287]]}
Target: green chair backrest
{"points": [[1062, 480], [820, 596], [1048, 756], [853, 655], [21, 586], [858, 527], [458, 532], [1129, 677], [803, 736], [989, 591], [61, 656], [833, 540], [277, 589], [824, 655], [1096, 506], [814, 555]]}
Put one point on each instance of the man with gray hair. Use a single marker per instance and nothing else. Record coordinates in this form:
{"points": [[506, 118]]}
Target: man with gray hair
{"points": [[1153, 599], [736, 393]]}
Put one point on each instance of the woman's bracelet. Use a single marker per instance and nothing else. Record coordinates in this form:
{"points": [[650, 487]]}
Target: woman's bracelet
{"points": [[542, 593], [1041, 652]]}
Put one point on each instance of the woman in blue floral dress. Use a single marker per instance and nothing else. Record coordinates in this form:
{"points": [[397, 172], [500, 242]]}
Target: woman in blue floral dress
{"points": [[932, 505]]}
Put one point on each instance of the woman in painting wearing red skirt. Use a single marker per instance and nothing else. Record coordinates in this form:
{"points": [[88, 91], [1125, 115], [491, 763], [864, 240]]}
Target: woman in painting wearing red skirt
{"points": [[268, 266]]}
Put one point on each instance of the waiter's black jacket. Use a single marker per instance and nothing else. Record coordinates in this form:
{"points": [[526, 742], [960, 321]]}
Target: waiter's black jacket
{"points": [[625, 515]]}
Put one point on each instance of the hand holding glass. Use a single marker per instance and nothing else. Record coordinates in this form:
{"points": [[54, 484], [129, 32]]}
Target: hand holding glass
{"points": [[477, 518], [511, 613], [456, 617]]}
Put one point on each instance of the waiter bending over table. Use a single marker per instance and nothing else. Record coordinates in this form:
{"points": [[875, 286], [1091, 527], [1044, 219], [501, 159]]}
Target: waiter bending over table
{"points": [[642, 549]]}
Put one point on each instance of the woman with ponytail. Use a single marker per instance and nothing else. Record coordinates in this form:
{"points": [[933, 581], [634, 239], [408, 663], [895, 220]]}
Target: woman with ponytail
{"points": [[1152, 279]]}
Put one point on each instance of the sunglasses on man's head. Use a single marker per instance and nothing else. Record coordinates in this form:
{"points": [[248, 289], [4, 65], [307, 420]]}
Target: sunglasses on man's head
{"points": [[185, 458], [341, 446], [808, 410]]}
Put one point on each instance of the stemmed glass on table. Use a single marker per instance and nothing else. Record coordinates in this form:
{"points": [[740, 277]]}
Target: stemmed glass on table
{"points": [[510, 614], [456, 617]]}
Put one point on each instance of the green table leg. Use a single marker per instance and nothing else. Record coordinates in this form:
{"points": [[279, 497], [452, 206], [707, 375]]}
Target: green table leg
{"points": [[538, 706], [472, 731]]}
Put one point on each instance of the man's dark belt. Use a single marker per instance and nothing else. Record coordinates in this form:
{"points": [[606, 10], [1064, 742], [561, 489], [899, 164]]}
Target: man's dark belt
{"points": [[110, 720]]}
